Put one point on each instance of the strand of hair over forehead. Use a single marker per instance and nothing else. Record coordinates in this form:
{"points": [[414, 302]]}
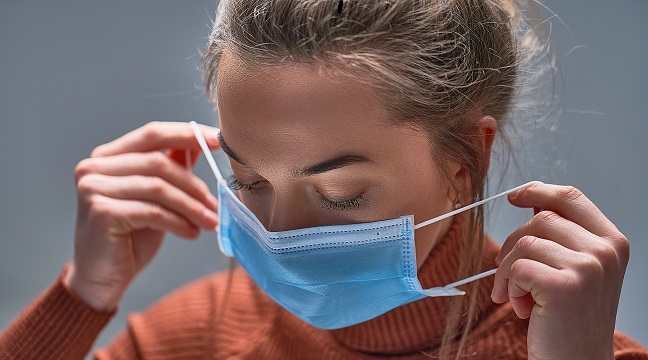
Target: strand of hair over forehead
{"points": [[420, 38]]}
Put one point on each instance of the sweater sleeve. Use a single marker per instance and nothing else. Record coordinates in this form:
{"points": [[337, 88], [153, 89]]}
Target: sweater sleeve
{"points": [[216, 317], [626, 348], [178, 326], [56, 325]]}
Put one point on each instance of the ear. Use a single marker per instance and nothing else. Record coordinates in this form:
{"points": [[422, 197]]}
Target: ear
{"points": [[484, 136], [487, 128]]}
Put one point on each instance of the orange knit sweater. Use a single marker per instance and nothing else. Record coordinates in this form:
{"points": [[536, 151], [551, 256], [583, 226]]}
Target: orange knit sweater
{"points": [[206, 320]]}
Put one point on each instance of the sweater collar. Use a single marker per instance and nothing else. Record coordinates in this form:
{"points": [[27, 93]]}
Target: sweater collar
{"points": [[420, 325]]}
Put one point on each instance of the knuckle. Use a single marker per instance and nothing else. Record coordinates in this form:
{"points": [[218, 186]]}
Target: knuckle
{"points": [[605, 252], [84, 167], [544, 217], [100, 210], [526, 242], [158, 160], [154, 159], [570, 193], [86, 185], [517, 269], [592, 268], [152, 130], [155, 213], [622, 246], [97, 152], [156, 186]]}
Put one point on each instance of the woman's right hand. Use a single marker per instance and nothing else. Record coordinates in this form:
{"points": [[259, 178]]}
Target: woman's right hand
{"points": [[131, 191]]}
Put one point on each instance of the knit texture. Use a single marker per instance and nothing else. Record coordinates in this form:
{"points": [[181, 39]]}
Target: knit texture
{"points": [[226, 316]]}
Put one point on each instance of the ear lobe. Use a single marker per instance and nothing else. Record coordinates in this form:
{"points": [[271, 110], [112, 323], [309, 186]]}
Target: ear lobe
{"points": [[459, 188]]}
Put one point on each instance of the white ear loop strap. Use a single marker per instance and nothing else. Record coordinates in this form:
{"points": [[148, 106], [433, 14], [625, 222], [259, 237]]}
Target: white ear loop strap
{"points": [[206, 152], [468, 207], [472, 278], [219, 177], [452, 213]]}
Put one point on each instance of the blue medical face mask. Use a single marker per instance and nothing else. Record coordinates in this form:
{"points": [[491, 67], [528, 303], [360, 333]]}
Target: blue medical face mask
{"points": [[329, 276]]}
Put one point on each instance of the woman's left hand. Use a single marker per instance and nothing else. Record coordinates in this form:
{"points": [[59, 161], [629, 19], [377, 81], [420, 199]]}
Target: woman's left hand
{"points": [[563, 269]]}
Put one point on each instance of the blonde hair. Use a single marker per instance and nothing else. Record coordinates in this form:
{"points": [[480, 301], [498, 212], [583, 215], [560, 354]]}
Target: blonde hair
{"points": [[434, 61]]}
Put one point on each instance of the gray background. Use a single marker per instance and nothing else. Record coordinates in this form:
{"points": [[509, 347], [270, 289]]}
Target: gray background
{"points": [[75, 74]]}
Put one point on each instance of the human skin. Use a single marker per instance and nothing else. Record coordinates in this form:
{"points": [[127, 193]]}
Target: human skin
{"points": [[129, 195], [563, 269], [278, 121]]}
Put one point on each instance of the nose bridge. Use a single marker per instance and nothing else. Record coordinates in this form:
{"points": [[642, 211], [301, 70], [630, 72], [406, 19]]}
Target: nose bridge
{"points": [[287, 213]]}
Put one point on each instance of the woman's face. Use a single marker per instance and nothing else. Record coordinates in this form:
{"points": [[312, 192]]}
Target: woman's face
{"points": [[309, 150]]}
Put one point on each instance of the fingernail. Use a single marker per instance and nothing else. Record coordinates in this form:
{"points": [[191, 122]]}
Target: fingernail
{"points": [[211, 217], [213, 202], [212, 136]]}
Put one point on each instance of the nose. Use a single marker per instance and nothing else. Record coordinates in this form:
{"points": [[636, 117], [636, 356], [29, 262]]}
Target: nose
{"points": [[288, 213]]}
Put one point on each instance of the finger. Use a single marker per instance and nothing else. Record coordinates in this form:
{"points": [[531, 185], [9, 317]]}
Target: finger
{"points": [[528, 281], [537, 249], [520, 289], [522, 305], [156, 136], [550, 225], [567, 201], [149, 164], [125, 216], [152, 190]]}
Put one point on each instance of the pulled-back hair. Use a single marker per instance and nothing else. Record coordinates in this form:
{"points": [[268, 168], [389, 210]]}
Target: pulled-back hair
{"points": [[435, 62]]}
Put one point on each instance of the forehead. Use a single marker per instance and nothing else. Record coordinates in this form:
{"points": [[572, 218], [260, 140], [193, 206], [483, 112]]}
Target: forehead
{"points": [[297, 113], [297, 89]]}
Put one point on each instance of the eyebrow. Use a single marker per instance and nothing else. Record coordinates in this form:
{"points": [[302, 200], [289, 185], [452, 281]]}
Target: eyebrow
{"points": [[227, 150], [332, 164], [319, 168]]}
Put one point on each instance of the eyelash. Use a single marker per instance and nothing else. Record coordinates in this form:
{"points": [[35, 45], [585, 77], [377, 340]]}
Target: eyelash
{"points": [[236, 185], [344, 205]]}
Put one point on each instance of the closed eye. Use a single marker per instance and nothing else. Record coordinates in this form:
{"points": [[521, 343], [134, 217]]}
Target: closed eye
{"points": [[344, 205], [236, 185], [338, 205]]}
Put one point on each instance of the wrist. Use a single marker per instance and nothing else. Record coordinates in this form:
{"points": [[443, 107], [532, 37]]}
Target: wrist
{"points": [[97, 296]]}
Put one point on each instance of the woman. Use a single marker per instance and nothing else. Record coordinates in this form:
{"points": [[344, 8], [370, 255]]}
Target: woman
{"points": [[332, 113]]}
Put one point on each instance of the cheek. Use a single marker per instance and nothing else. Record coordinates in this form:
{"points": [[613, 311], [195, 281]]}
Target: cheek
{"points": [[424, 192], [421, 185], [426, 197]]}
